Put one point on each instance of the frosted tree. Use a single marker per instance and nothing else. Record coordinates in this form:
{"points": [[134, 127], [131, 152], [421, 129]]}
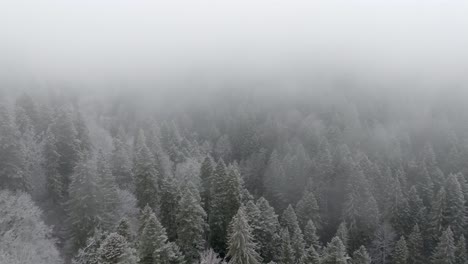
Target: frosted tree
{"points": [[289, 220], [342, 233], [123, 229], [460, 251], [169, 204], [224, 204], [416, 207], [307, 208], [210, 257], [286, 254], [311, 256], [310, 235], [89, 253], [145, 174], [335, 252], [400, 256], [454, 211], [121, 162], [153, 246], [206, 177], [84, 140], [253, 217], [191, 224], [12, 160], [360, 256], [268, 227], [115, 249], [416, 247], [383, 244], [24, 238], [241, 245], [55, 185], [273, 179], [107, 190], [445, 249], [84, 207]]}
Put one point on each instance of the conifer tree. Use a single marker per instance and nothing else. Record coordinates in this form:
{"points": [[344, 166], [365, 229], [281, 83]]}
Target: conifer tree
{"points": [[445, 250], [241, 245], [454, 209], [55, 182], [12, 163], [145, 174], [115, 249], [460, 251], [286, 254], [84, 206], [416, 247], [289, 220], [342, 233], [123, 229], [169, 204], [108, 191], [335, 252], [268, 227], [89, 253], [311, 256], [310, 235], [145, 213], [121, 162], [191, 224], [253, 217], [360, 256], [416, 207], [400, 256], [307, 208], [225, 202], [206, 178]]}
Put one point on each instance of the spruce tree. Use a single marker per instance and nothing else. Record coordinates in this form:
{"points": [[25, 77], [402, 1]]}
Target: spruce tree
{"points": [[445, 249], [241, 245], [169, 204], [310, 235], [123, 229], [335, 252], [55, 182], [342, 233], [416, 247], [108, 191], [225, 202], [286, 254], [289, 220], [307, 208], [115, 249], [89, 253], [190, 220], [268, 227], [454, 209], [145, 174], [121, 162], [400, 256], [311, 256], [360, 256], [460, 251], [206, 178]]}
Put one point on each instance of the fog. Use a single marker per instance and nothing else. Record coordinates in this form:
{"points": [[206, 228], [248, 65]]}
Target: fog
{"points": [[114, 42]]}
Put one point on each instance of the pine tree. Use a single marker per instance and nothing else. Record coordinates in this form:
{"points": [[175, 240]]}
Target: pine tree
{"points": [[145, 174], [169, 204], [191, 224], [342, 233], [416, 207], [153, 246], [416, 247], [289, 220], [445, 250], [115, 249], [55, 181], [145, 213], [335, 252], [121, 161], [307, 208], [84, 207], [123, 229], [241, 246], [273, 180], [310, 235], [460, 251], [360, 256], [454, 211], [253, 217], [206, 178], [383, 244], [311, 256], [400, 256], [12, 163], [268, 227], [286, 254], [89, 253], [84, 140], [225, 202], [108, 191]]}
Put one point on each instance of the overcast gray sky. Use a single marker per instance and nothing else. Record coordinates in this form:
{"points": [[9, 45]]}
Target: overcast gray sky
{"points": [[134, 38]]}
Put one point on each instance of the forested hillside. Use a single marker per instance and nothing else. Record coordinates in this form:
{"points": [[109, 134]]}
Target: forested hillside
{"points": [[247, 176]]}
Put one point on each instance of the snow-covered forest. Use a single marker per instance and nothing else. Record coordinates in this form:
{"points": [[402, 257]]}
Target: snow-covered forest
{"points": [[317, 178], [233, 132]]}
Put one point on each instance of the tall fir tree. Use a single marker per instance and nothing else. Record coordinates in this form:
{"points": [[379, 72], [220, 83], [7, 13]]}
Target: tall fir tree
{"points": [[445, 250], [460, 251], [123, 228], [307, 208], [241, 245], [335, 252], [191, 224], [360, 256], [416, 246], [289, 220], [55, 185], [311, 256], [115, 249], [268, 229], [286, 253], [121, 161], [310, 235], [454, 209], [169, 204], [342, 233], [108, 191], [206, 178], [145, 174], [400, 256]]}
